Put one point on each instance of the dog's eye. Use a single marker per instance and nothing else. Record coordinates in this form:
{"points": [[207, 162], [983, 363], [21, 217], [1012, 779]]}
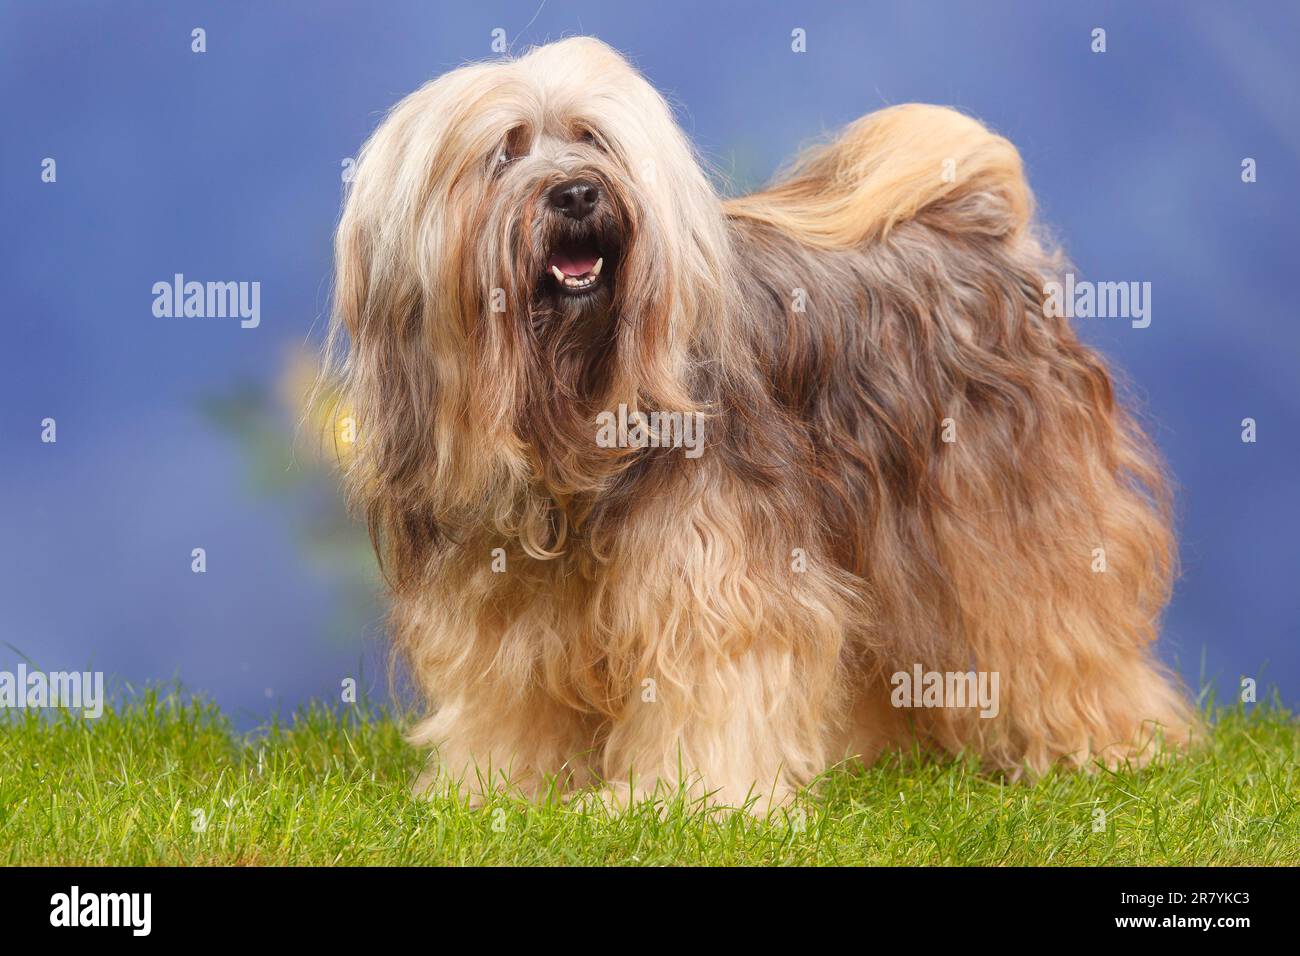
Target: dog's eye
{"points": [[504, 157], [588, 138], [514, 146]]}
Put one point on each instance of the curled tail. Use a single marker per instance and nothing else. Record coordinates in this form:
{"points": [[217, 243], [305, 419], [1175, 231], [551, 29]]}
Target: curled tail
{"points": [[884, 169]]}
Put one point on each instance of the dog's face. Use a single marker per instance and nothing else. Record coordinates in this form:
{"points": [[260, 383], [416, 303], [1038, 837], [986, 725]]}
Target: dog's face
{"points": [[525, 243], [554, 199], [525, 188], [566, 210]]}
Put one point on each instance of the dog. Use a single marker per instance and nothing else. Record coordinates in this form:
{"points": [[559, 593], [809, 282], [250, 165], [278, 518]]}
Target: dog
{"points": [[906, 462]]}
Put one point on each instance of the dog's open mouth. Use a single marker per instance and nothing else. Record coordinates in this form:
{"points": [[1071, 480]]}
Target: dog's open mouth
{"points": [[576, 267]]}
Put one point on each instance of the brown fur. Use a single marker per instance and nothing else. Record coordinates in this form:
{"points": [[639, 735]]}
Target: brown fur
{"points": [[924, 302]]}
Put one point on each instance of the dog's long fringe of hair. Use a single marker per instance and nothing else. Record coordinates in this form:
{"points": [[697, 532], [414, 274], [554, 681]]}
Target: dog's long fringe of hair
{"points": [[630, 569]]}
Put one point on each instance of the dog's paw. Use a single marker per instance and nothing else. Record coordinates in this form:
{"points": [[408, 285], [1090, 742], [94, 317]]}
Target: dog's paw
{"points": [[609, 801], [616, 800], [434, 784]]}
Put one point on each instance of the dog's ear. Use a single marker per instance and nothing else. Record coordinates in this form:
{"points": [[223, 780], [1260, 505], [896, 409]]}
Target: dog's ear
{"points": [[366, 257], [376, 382], [430, 383]]}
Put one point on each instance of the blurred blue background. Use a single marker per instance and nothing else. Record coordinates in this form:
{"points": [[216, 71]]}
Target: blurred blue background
{"points": [[179, 433]]}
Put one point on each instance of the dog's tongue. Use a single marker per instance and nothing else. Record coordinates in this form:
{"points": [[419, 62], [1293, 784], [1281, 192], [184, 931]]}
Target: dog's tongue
{"points": [[572, 263]]}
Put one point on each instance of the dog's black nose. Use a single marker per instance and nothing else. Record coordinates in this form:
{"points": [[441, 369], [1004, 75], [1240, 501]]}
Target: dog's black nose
{"points": [[575, 198]]}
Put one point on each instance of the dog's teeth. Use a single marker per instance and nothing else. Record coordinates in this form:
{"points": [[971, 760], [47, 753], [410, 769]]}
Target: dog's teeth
{"points": [[595, 270], [555, 270]]}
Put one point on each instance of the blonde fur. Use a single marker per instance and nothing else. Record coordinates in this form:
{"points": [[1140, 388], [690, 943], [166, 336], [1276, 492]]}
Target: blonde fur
{"points": [[650, 625], [885, 168]]}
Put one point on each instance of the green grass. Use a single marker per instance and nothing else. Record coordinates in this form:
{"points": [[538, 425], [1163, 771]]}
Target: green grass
{"points": [[332, 789]]}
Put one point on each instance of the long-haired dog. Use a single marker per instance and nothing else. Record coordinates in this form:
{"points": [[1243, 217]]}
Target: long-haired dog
{"points": [[908, 462]]}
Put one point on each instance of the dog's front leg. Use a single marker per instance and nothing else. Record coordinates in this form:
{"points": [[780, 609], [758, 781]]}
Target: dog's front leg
{"points": [[726, 654], [491, 739], [740, 731]]}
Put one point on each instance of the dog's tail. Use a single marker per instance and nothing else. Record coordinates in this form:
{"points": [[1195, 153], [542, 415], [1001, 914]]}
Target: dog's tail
{"points": [[886, 168]]}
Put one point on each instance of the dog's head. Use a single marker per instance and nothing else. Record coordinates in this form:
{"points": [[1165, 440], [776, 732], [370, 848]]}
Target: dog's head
{"points": [[525, 244]]}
